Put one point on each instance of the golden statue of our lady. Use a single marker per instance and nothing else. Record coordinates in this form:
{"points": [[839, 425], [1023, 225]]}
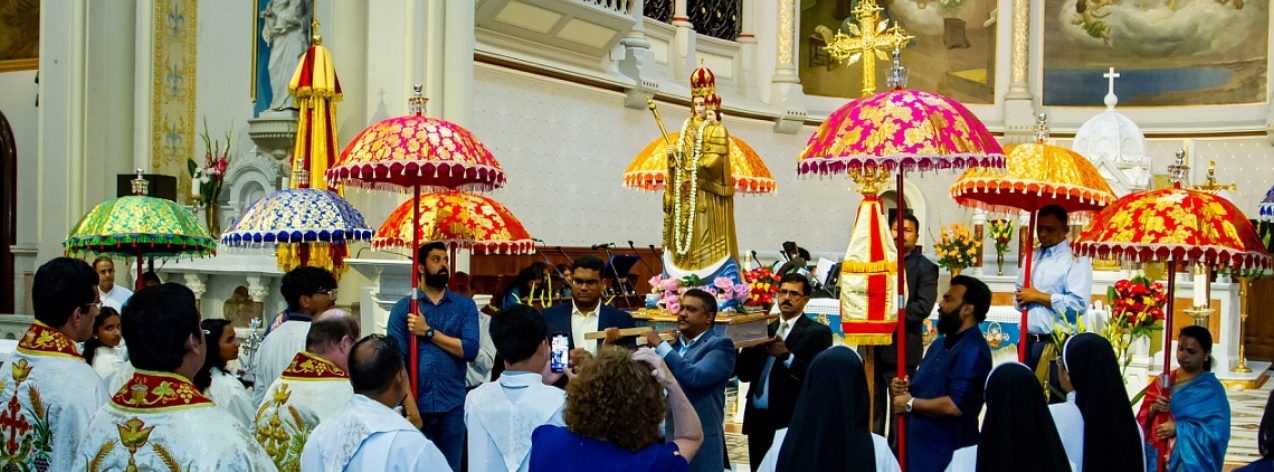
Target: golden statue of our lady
{"points": [[699, 192]]}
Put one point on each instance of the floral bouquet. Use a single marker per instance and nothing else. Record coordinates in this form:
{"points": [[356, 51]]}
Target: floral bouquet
{"points": [[669, 290], [1136, 307], [1002, 234], [957, 248], [206, 179], [763, 288]]}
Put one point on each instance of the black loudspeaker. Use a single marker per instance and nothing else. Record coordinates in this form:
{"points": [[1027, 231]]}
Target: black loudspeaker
{"points": [[162, 186]]}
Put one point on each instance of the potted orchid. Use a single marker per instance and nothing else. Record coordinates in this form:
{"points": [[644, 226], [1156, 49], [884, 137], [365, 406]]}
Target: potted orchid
{"points": [[206, 178]]}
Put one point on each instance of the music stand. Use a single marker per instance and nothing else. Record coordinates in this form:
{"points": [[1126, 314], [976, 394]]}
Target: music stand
{"points": [[617, 269]]}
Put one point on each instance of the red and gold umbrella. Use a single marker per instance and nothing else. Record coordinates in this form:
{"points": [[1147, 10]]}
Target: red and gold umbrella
{"points": [[411, 152], [1037, 175], [459, 220], [1177, 225], [649, 170]]}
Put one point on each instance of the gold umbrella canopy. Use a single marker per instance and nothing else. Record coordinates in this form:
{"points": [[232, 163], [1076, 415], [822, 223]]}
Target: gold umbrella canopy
{"points": [[1036, 175], [649, 170]]}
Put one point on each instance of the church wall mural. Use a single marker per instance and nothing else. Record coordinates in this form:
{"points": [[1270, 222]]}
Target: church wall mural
{"points": [[953, 52], [1167, 52]]}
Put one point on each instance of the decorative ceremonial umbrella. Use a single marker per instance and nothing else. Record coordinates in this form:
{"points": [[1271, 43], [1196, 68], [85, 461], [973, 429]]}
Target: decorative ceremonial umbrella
{"points": [[303, 223], [139, 226], [900, 130], [1177, 225], [649, 170], [411, 152], [316, 88], [1037, 175], [1267, 206], [459, 220]]}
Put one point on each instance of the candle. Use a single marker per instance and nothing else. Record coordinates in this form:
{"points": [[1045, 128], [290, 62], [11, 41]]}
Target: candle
{"points": [[1201, 287], [194, 186]]}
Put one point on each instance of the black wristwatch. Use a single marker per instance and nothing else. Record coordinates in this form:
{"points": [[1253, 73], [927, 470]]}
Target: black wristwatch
{"points": [[429, 334]]}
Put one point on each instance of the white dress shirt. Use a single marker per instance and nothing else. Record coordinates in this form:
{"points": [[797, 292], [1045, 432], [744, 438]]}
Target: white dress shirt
{"points": [[584, 323], [116, 297]]}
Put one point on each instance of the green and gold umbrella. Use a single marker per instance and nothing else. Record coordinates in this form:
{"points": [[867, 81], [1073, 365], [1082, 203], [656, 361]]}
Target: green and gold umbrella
{"points": [[139, 226]]}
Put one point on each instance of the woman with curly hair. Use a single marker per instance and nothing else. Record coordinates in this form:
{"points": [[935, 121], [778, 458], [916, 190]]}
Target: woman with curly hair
{"points": [[613, 410]]}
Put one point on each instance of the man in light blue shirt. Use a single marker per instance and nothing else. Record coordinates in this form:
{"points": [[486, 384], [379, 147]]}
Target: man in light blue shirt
{"points": [[1061, 286]]}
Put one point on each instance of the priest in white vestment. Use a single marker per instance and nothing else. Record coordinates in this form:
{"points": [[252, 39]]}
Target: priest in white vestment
{"points": [[308, 292], [159, 421], [50, 392], [370, 433], [502, 415], [314, 386]]}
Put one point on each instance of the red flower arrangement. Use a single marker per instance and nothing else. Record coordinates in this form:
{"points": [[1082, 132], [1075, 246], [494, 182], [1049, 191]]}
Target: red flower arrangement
{"points": [[1137, 305], [765, 288]]}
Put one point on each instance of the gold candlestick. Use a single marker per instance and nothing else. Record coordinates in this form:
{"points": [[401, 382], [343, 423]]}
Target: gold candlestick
{"points": [[1242, 367]]}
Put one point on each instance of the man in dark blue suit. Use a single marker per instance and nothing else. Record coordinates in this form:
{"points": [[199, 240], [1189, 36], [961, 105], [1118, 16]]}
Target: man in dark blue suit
{"points": [[702, 361], [586, 313]]}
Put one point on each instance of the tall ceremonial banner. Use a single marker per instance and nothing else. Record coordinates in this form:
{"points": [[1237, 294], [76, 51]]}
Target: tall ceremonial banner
{"points": [[868, 279]]}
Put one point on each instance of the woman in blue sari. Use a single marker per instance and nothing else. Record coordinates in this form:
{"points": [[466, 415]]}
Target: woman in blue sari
{"points": [[1190, 426]]}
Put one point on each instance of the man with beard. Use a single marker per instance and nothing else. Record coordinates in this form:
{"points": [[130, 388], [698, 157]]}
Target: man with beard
{"points": [[943, 404], [776, 369], [446, 336]]}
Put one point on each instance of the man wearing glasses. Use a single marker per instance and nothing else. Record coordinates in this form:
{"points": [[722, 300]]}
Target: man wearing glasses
{"points": [[586, 313], [308, 291]]}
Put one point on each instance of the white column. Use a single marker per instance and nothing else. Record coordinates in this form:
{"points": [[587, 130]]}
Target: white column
{"points": [[195, 282], [1019, 108], [63, 35], [683, 43], [258, 290], [347, 40], [457, 73], [432, 47], [747, 43], [786, 92], [143, 69]]}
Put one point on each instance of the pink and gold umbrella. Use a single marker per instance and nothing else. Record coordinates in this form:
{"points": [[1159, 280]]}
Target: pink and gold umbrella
{"points": [[649, 170], [411, 152], [1037, 175], [459, 220], [899, 130]]}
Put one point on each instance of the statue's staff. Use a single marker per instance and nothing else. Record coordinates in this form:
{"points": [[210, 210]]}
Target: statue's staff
{"points": [[659, 121]]}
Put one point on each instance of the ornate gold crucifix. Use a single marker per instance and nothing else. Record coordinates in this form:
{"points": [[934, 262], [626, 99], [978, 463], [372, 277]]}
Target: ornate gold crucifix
{"points": [[872, 36]]}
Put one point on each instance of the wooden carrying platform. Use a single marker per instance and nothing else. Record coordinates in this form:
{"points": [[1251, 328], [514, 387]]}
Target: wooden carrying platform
{"points": [[745, 330]]}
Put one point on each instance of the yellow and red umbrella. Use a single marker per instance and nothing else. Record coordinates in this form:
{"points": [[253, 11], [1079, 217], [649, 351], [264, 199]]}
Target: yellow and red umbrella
{"points": [[1036, 175], [316, 88], [458, 219], [649, 170], [411, 152], [1178, 225]]}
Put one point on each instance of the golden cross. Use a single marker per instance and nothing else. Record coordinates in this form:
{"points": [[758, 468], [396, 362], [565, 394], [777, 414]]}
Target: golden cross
{"points": [[871, 36], [1211, 186]]}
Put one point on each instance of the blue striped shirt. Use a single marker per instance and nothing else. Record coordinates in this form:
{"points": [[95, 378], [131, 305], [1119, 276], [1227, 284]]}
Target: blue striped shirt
{"points": [[442, 376]]}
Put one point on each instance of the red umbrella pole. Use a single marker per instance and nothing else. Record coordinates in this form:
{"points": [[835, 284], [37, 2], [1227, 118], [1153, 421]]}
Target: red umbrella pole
{"points": [[1022, 330], [415, 283], [902, 318], [1167, 323]]}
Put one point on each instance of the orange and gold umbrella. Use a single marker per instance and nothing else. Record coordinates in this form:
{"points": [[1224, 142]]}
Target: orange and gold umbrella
{"points": [[1177, 225], [649, 170], [459, 220], [1036, 175]]}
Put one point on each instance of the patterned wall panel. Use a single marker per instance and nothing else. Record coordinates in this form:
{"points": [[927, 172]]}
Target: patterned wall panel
{"points": [[173, 88]]}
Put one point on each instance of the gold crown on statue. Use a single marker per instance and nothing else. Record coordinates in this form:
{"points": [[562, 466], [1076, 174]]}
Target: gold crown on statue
{"points": [[702, 81], [712, 101]]}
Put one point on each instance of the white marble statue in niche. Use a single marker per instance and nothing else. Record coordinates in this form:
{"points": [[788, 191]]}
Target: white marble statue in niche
{"points": [[287, 32]]}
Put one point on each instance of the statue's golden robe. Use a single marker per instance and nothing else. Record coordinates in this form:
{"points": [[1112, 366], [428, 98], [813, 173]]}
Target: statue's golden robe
{"points": [[707, 230]]}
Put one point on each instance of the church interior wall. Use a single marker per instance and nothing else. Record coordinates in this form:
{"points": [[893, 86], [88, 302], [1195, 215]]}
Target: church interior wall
{"points": [[18, 105]]}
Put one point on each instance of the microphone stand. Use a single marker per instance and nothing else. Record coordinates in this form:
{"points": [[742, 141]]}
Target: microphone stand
{"points": [[642, 259], [618, 281]]}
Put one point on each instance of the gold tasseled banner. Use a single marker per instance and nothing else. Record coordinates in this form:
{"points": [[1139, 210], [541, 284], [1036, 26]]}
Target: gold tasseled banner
{"points": [[323, 255]]}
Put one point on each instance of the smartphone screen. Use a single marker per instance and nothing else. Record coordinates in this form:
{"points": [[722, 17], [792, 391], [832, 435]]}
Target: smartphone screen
{"points": [[560, 358]]}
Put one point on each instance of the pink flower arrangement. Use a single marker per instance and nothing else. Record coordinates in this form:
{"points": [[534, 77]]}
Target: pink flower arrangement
{"points": [[670, 289], [207, 178]]}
